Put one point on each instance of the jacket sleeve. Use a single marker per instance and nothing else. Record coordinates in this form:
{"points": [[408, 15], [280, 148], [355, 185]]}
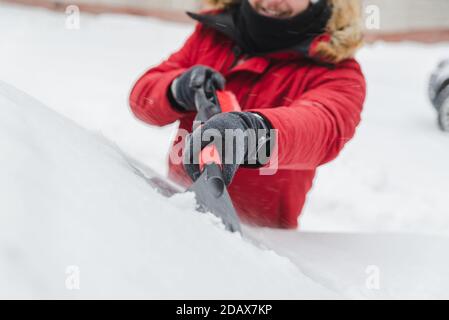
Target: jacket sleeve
{"points": [[316, 126], [148, 99]]}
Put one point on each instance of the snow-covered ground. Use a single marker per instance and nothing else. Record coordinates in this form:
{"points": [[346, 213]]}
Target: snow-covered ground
{"points": [[64, 200]]}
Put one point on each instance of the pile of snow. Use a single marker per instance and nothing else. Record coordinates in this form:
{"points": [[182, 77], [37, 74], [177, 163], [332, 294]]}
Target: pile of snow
{"points": [[77, 222], [71, 203], [374, 266]]}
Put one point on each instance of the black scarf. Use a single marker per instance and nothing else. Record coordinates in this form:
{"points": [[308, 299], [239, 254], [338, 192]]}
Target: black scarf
{"points": [[258, 34]]}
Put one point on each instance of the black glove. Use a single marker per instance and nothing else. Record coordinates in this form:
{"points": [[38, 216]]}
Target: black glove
{"points": [[244, 133], [183, 89]]}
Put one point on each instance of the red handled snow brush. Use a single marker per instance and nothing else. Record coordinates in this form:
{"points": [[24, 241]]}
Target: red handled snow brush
{"points": [[210, 189]]}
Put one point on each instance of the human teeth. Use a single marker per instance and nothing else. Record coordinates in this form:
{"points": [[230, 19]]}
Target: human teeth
{"points": [[272, 12]]}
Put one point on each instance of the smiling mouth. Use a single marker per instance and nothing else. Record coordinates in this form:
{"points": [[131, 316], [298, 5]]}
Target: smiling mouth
{"points": [[273, 13]]}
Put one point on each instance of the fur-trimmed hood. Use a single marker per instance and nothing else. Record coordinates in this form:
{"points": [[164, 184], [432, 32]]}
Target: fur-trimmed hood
{"points": [[344, 29]]}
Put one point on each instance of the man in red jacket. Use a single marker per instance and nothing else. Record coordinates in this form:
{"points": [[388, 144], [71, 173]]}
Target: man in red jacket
{"points": [[290, 65]]}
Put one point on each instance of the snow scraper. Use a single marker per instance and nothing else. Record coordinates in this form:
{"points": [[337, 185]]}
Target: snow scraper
{"points": [[210, 190]]}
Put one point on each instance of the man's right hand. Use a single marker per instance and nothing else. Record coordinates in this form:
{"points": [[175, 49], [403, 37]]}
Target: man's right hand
{"points": [[184, 88]]}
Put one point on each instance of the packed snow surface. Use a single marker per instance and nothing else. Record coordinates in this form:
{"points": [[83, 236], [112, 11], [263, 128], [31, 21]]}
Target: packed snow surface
{"points": [[71, 200], [68, 198]]}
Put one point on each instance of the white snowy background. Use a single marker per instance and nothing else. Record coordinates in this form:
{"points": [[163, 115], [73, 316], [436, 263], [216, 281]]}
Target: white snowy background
{"points": [[68, 198]]}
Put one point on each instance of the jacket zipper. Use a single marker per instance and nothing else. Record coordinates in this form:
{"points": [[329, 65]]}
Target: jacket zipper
{"points": [[237, 54], [250, 91], [237, 51]]}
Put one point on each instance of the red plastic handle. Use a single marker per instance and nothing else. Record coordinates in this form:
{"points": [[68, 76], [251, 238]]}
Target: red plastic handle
{"points": [[228, 103], [209, 155]]}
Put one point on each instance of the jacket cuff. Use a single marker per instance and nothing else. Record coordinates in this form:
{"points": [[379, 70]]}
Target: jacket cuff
{"points": [[169, 111], [172, 99], [271, 124]]}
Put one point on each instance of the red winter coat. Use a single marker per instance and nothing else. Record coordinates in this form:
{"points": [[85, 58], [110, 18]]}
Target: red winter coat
{"points": [[314, 107]]}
